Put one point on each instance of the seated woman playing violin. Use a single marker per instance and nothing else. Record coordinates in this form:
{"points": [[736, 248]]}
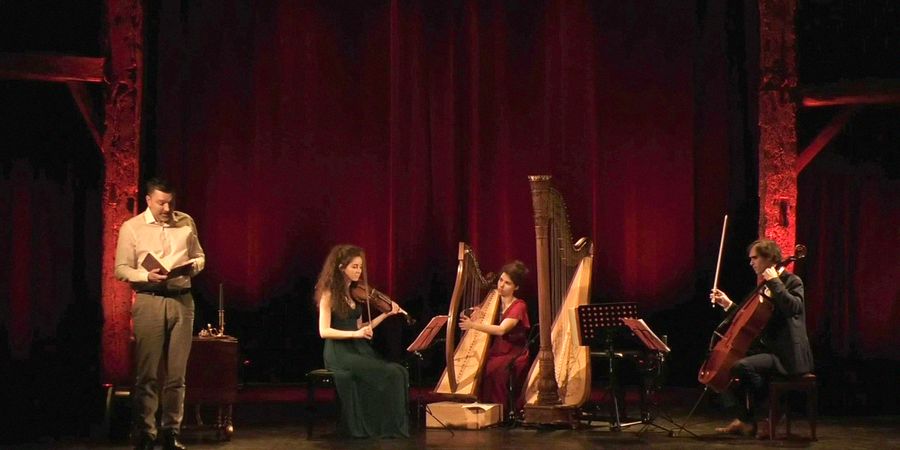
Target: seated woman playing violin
{"points": [[508, 354], [373, 392], [786, 345]]}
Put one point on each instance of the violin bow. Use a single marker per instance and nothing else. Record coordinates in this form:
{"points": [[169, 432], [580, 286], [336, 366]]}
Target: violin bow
{"points": [[368, 291]]}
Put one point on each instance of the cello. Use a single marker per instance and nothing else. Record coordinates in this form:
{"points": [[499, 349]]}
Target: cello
{"points": [[740, 328]]}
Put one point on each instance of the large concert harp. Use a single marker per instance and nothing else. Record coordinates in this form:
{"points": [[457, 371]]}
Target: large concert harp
{"points": [[559, 381], [462, 376]]}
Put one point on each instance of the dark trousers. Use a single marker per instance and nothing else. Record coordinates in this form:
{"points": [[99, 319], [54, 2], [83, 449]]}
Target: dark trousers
{"points": [[754, 373], [163, 328]]}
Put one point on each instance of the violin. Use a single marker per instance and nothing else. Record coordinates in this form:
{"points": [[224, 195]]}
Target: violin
{"points": [[738, 331], [361, 293]]}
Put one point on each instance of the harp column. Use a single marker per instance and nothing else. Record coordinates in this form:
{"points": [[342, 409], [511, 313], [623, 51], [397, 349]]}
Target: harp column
{"points": [[548, 389]]}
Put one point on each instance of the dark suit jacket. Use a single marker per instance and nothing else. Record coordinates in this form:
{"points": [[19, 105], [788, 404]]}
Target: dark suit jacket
{"points": [[785, 334]]}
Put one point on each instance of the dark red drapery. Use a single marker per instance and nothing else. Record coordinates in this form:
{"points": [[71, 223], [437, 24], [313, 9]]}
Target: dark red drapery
{"points": [[408, 127], [849, 214], [405, 127]]}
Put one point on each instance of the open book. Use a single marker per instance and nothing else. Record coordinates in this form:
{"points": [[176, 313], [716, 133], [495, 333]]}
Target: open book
{"points": [[150, 262]]}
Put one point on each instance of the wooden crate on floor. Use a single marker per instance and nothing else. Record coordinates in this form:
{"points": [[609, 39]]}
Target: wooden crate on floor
{"points": [[470, 416]]}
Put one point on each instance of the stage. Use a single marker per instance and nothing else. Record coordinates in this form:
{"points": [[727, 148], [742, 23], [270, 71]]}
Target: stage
{"points": [[275, 418], [289, 432], [603, 142]]}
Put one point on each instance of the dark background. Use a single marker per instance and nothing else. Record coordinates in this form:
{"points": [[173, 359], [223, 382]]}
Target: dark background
{"points": [[406, 127]]}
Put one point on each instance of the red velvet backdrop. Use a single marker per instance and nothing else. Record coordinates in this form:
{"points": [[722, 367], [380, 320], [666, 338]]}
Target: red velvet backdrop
{"points": [[406, 127], [849, 215]]}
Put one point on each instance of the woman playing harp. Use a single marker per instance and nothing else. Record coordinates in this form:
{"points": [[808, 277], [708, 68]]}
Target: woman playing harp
{"points": [[508, 355]]}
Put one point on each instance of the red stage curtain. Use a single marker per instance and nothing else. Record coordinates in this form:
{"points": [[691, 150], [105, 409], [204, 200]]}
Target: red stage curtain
{"points": [[849, 216], [405, 127], [38, 249]]}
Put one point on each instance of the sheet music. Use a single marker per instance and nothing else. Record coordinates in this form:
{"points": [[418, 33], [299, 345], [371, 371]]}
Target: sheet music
{"points": [[426, 337], [646, 335], [477, 405]]}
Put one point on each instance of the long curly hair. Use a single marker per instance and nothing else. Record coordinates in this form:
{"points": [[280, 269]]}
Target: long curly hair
{"points": [[331, 279]]}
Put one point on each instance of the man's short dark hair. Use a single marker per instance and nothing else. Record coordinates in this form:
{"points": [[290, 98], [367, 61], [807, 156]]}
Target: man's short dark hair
{"points": [[766, 248], [158, 184]]}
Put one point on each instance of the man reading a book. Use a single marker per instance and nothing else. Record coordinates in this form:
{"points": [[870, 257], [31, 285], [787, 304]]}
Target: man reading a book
{"points": [[157, 253]]}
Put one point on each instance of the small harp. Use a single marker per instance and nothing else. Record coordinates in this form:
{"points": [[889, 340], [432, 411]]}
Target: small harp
{"points": [[465, 360]]}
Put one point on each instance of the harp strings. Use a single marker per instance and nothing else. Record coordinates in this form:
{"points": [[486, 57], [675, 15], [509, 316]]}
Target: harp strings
{"points": [[563, 257], [475, 287]]}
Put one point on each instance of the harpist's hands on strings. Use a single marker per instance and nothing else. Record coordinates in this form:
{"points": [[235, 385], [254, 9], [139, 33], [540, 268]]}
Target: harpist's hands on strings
{"points": [[466, 317], [465, 322]]}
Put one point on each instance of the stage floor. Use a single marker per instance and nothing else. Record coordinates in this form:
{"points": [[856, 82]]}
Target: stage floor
{"points": [[880, 432], [263, 422]]}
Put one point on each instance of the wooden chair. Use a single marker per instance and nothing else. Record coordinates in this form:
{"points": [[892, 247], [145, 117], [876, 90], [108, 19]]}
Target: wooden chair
{"points": [[777, 388]]}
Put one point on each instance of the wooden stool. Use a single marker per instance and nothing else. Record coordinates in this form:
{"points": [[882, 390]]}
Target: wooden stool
{"points": [[319, 378], [804, 383]]}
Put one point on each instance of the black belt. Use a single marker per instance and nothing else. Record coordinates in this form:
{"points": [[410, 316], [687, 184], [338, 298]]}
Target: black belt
{"points": [[165, 292]]}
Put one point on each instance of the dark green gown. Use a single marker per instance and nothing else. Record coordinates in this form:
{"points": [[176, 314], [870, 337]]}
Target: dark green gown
{"points": [[374, 393]]}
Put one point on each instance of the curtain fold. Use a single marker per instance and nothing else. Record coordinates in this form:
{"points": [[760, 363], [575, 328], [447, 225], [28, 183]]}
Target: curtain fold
{"points": [[406, 127]]}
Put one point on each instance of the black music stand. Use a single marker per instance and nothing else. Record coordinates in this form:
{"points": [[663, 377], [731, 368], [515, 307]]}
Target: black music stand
{"points": [[423, 341], [605, 320], [659, 348]]}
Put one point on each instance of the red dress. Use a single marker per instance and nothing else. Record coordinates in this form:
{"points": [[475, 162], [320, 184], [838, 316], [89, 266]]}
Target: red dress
{"points": [[512, 347]]}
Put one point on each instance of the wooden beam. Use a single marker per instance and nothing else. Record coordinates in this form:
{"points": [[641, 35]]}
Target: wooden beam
{"points": [[777, 122], [824, 137], [121, 156], [47, 67], [857, 92], [88, 109]]}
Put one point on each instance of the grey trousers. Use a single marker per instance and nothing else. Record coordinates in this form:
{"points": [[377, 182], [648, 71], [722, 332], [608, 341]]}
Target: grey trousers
{"points": [[163, 328]]}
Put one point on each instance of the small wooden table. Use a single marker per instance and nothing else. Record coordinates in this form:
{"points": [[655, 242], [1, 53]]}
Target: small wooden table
{"points": [[212, 379]]}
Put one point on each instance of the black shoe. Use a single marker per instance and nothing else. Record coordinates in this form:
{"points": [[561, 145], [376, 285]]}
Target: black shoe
{"points": [[170, 441], [146, 442]]}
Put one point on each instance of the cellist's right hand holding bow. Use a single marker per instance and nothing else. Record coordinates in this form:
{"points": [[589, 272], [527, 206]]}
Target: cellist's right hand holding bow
{"points": [[720, 298]]}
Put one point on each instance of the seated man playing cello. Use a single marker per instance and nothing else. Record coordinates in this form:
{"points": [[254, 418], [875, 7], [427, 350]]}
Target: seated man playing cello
{"points": [[786, 345]]}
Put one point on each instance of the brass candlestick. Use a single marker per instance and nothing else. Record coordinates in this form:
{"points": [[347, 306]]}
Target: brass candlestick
{"points": [[221, 310]]}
